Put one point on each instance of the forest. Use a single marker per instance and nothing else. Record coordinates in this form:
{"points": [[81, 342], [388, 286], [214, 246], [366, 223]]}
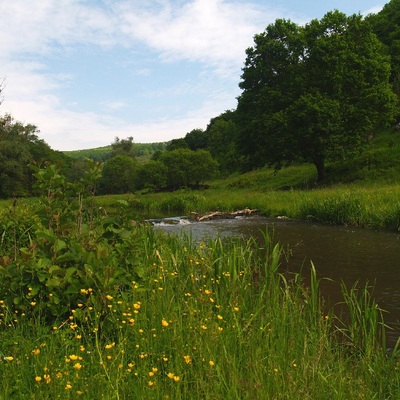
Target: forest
{"points": [[317, 94]]}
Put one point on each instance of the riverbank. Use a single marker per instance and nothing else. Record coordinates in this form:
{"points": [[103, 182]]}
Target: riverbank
{"points": [[95, 305], [375, 206]]}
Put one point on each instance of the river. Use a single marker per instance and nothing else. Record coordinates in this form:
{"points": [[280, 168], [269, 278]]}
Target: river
{"points": [[343, 254]]}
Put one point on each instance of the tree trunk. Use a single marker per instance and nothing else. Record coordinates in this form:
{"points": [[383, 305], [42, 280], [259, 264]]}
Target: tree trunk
{"points": [[320, 165]]}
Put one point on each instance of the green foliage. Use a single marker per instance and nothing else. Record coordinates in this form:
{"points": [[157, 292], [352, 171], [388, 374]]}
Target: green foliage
{"points": [[123, 147], [313, 93], [119, 175], [153, 175], [188, 168], [48, 259], [386, 26]]}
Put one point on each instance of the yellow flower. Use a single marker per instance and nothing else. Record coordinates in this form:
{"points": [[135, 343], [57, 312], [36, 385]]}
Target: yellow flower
{"points": [[108, 297], [77, 366], [170, 375], [84, 291], [9, 358], [164, 323], [203, 327], [220, 317], [177, 378], [33, 303], [38, 378], [150, 383], [78, 392], [73, 357], [47, 378], [110, 346], [68, 386], [187, 359], [211, 363], [236, 309], [36, 352], [136, 306]]}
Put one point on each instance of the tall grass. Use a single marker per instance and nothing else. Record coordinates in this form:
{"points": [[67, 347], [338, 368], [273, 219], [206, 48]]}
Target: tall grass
{"points": [[214, 320]]}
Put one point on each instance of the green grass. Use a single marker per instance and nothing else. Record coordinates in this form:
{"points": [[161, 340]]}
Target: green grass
{"points": [[212, 320]]}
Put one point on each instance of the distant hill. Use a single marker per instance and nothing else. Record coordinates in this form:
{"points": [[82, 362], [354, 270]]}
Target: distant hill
{"points": [[143, 151]]}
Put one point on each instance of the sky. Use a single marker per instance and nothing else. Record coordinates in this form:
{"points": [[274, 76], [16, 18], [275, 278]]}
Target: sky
{"points": [[87, 71]]}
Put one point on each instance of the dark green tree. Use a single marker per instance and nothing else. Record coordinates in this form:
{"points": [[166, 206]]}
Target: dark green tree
{"points": [[175, 144], [187, 168], [153, 175], [119, 175], [20, 146], [313, 93], [386, 25], [222, 135], [123, 147], [197, 139]]}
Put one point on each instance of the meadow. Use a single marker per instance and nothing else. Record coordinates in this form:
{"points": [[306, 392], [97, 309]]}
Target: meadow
{"points": [[96, 304]]}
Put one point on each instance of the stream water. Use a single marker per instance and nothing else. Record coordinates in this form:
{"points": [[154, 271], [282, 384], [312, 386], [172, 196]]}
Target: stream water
{"points": [[343, 254]]}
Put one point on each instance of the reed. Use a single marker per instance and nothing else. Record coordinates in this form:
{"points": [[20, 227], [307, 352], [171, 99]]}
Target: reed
{"points": [[213, 319]]}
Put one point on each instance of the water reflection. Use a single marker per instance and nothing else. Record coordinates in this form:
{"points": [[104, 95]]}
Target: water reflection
{"points": [[340, 253]]}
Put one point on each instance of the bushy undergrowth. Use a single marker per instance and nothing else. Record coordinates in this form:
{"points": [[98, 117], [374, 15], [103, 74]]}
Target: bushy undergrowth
{"points": [[99, 306]]}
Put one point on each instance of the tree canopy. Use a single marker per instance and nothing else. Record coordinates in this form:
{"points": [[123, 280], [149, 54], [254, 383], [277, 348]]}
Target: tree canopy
{"points": [[313, 93]]}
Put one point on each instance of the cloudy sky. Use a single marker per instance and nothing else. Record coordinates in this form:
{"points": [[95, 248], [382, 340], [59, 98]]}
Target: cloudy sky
{"points": [[87, 71]]}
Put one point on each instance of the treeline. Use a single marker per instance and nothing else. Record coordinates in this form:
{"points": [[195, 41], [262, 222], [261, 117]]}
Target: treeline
{"points": [[314, 93]]}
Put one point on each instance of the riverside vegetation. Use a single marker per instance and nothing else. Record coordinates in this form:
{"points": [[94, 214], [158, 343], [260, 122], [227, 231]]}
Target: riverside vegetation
{"points": [[97, 305]]}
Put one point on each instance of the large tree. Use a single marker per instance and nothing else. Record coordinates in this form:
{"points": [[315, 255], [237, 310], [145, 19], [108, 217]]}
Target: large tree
{"points": [[312, 93]]}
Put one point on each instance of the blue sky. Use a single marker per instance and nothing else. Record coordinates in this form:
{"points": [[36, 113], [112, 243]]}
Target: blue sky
{"points": [[87, 71]]}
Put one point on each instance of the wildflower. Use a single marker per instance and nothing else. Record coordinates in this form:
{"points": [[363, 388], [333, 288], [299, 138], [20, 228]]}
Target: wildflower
{"points": [[236, 309], [170, 375], [80, 305], [151, 373], [131, 365], [164, 323], [154, 369], [73, 357], [38, 378], [211, 363], [110, 346], [136, 306], [33, 303], [109, 357], [220, 317], [84, 291], [188, 359], [36, 352], [77, 366], [9, 358], [165, 359], [82, 348], [68, 386], [150, 383], [47, 378], [207, 292], [177, 378], [203, 327], [78, 392]]}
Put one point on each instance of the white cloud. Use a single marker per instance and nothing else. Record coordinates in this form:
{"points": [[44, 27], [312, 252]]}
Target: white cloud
{"points": [[210, 31]]}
